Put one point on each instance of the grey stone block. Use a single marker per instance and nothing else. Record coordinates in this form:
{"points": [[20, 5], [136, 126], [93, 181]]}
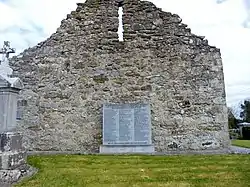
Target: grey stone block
{"points": [[119, 149], [9, 176], [11, 141], [12, 160], [8, 108]]}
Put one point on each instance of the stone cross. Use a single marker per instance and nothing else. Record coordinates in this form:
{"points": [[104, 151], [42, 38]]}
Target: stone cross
{"points": [[5, 69], [6, 50]]}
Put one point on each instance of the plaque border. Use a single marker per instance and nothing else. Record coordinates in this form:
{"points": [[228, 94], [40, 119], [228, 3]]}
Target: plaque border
{"points": [[148, 108]]}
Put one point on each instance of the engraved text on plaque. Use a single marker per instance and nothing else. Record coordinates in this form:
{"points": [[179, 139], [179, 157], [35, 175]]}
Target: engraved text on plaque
{"points": [[126, 124]]}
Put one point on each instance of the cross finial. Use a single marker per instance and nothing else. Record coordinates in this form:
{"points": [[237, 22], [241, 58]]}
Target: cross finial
{"points": [[6, 50], [4, 63]]}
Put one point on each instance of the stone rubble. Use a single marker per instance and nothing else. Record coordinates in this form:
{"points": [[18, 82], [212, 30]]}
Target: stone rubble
{"points": [[239, 150]]}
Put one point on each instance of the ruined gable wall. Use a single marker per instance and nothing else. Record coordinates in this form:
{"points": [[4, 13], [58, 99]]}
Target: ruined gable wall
{"points": [[70, 75]]}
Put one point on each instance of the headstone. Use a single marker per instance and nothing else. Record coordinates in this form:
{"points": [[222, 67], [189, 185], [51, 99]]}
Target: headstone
{"points": [[12, 154], [9, 90], [126, 128]]}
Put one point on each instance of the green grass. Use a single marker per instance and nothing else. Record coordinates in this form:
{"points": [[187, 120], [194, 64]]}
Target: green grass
{"points": [[140, 171], [241, 143]]}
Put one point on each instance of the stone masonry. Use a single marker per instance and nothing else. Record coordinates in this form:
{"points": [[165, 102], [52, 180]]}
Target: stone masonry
{"points": [[69, 76]]}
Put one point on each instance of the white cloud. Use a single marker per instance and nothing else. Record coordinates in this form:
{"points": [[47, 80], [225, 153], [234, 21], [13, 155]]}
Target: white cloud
{"points": [[27, 22], [45, 13]]}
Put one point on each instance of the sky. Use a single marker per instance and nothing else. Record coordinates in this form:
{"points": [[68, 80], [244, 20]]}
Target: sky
{"points": [[225, 23]]}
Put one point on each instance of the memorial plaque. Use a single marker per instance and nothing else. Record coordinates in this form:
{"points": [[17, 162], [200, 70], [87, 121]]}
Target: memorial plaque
{"points": [[126, 124]]}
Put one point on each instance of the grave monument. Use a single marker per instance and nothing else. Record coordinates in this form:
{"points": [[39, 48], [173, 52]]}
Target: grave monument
{"points": [[12, 153]]}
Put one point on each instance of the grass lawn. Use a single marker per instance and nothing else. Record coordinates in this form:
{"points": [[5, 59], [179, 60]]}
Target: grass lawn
{"points": [[140, 171], [241, 143]]}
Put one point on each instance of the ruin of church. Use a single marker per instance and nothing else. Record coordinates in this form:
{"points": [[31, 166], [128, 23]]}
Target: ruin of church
{"points": [[158, 60]]}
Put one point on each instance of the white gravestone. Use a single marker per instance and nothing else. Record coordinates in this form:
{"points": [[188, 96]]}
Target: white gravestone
{"points": [[9, 89], [126, 129]]}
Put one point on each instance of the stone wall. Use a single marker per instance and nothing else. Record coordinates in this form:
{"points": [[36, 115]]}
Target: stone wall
{"points": [[70, 75]]}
